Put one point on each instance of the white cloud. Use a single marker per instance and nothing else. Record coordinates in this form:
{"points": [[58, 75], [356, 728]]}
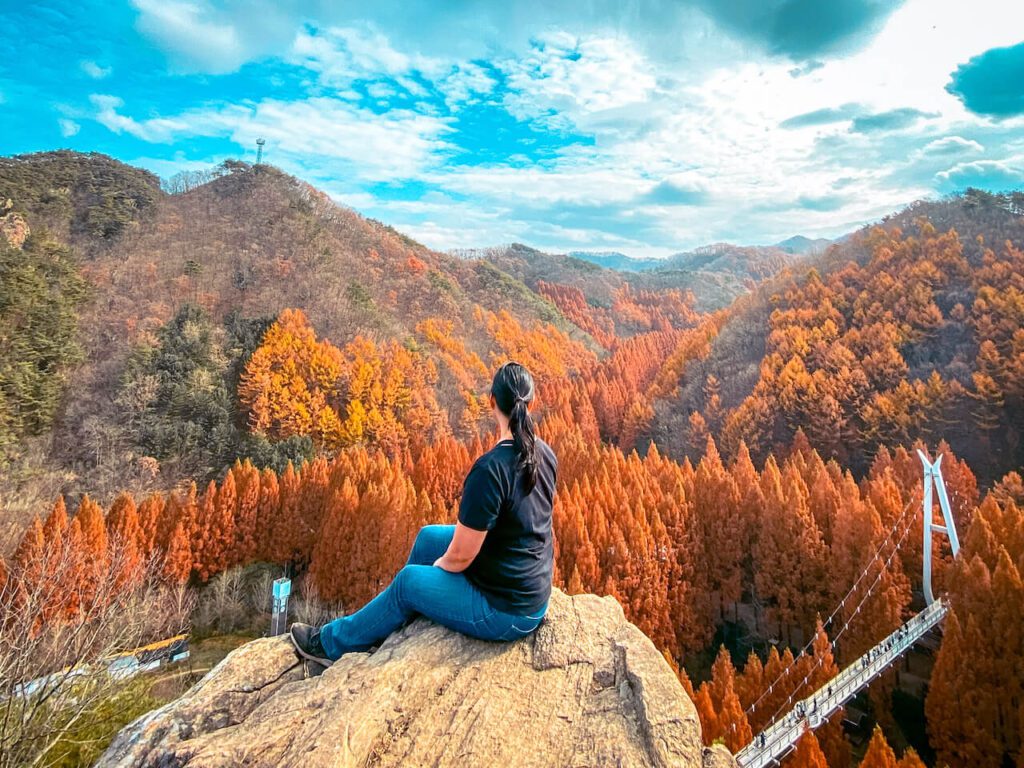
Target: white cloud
{"points": [[399, 144], [68, 127], [94, 70], [657, 138], [340, 55], [371, 51], [411, 86], [193, 35], [570, 76], [951, 145], [382, 91], [155, 129], [465, 83], [987, 174], [679, 129], [584, 182]]}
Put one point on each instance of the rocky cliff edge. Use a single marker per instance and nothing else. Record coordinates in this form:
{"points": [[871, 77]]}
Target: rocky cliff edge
{"points": [[586, 689]]}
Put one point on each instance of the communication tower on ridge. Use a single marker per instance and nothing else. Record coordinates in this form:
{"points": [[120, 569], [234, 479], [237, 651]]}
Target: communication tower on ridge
{"points": [[259, 150]]}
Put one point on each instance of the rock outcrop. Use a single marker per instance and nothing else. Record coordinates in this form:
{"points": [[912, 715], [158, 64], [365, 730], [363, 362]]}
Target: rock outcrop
{"points": [[586, 689], [13, 226]]}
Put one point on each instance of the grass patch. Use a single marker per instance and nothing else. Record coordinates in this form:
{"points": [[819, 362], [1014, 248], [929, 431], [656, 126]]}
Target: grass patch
{"points": [[83, 744]]}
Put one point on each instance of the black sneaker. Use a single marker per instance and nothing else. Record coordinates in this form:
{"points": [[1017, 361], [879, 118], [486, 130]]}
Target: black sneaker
{"points": [[306, 640]]}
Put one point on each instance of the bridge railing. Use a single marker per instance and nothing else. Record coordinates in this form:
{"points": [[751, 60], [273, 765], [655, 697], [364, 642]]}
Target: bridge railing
{"points": [[775, 742]]}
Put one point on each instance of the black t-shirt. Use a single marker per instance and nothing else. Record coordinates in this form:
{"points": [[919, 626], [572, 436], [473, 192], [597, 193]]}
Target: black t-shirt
{"points": [[515, 564]]}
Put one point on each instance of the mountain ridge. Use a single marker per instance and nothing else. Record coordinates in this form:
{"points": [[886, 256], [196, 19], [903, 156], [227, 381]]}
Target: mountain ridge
{"points": [[798, 245]]}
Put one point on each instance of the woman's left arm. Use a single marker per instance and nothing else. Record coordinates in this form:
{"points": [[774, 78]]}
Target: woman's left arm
{"points": [[482, 496], [463, 550]]}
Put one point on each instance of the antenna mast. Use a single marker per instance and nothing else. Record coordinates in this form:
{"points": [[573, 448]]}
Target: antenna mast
{"points": [[259, 150]]}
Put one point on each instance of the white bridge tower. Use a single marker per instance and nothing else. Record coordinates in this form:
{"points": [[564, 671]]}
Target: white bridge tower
{"points": [[933, 482]]}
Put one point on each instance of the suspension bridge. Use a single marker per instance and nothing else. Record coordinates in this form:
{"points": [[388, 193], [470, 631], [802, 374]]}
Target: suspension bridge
{"points": [[780, 737]]}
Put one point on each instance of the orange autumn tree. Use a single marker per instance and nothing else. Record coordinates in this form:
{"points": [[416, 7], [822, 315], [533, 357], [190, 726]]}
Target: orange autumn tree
{"points": [[176, 527], [124, 531], [981, 659], [722, 715], [717, 532], [64, 565], [469, 376], [858, 536], [879, 754], [289, 385], [149, 516], [790, 556], [91, 528], [30, 559], [247, 491], [899, 343], [382, 394], [652, 310], [387, 393], [177, 556], [597, 321], [548, 352], [807, 754], [341, 533], [214, 543], [619, 386]]}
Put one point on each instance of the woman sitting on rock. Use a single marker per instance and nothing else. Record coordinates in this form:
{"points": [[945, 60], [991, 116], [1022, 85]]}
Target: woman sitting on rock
{"points": [[489, 575]]}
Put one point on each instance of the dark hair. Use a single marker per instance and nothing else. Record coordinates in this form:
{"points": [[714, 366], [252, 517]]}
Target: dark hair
{"points": [[513, 389]]}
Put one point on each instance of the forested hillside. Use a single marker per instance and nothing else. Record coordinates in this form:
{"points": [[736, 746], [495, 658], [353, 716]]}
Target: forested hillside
{"points": [[911, 331], [245, 372], [182, 287], [86, 200]]}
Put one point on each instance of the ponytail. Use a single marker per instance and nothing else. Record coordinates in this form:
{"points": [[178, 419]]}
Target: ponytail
{"points": [[525, 443], [513, 390]]}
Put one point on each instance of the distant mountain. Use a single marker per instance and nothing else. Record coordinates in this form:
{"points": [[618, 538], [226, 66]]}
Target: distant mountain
{"points": [[251, 240], [618, 261], [743, 261], [764, 258], [803, 246], [715, 275], [530, 266], [737, 261]]}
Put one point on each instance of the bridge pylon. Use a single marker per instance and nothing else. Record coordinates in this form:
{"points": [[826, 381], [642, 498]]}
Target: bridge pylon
{"points": [[933, 482], [770, 746]]}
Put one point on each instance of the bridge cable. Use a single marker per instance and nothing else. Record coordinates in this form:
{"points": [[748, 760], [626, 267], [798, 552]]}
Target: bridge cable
{"points": [[845, 626], [785, 672]]}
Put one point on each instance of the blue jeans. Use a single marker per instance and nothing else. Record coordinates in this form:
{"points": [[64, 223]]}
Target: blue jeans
{"points": [[420, 588]]}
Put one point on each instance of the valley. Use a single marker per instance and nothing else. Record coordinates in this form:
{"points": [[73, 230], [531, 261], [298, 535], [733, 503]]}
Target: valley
{"points": [[244, 378]]}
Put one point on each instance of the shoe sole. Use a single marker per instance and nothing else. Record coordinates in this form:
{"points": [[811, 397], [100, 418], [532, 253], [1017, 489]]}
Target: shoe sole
{"points": [[305, 655]]}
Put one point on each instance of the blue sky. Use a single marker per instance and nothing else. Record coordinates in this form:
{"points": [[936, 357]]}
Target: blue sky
{"points": [[645, 126]]}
